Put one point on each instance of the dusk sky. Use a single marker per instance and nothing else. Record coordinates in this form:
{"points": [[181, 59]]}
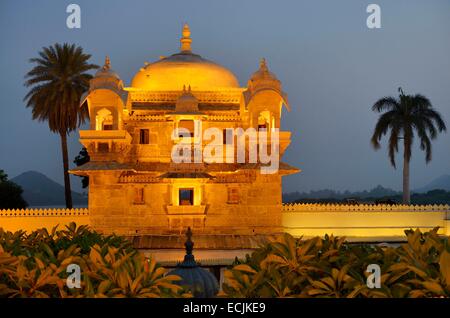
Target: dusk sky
{"points": [[331, 65]]}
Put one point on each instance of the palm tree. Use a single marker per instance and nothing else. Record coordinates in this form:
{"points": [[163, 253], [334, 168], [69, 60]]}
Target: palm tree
{"points": [[56, 83], [404, 117]]}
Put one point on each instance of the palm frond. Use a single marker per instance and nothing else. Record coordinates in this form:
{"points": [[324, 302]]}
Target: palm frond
{"points": [[384, 122], [407, 114], [393, 141], [385, 103], [437, 118], [57, 81]]}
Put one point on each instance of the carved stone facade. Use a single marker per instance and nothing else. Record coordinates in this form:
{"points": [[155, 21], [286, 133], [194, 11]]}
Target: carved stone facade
{"points": [[136, 188]]}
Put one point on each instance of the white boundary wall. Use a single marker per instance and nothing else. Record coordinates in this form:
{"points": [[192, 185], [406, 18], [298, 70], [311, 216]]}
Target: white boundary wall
{"points": [[356, 222], [364, 222], [33, 219]]}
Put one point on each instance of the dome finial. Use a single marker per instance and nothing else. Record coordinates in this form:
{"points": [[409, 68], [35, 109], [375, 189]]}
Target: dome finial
{"points": [[263, 64], [186, 39], [107, 65], [189, 245]]}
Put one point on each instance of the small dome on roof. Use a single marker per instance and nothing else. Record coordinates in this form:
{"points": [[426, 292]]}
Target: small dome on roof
{"points": [[263, 72], [187, 103], [263, 77], [201, 282], [106, 71]]}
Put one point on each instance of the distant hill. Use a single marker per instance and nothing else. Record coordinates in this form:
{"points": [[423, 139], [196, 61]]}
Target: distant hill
{"points": [[39, 190], [435, 192], [377, 192], [441, 183]]}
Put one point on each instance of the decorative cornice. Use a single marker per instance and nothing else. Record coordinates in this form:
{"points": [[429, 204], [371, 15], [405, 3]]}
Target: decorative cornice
{"points": [[228, 96]]}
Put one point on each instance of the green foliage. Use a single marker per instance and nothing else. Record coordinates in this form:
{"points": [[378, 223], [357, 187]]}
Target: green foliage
{"points": [[82, 158], [3, 176], [10, 194], [330, 267], [35, 265]]}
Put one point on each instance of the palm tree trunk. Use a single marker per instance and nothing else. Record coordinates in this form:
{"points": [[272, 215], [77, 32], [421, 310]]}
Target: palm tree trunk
{"points": [[68, 192], [406, 194]]}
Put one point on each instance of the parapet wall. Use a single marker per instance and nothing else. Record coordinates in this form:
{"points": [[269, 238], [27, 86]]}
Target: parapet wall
{"points": [[364, 222], [316, 207], [32, 219], [356, 222]]}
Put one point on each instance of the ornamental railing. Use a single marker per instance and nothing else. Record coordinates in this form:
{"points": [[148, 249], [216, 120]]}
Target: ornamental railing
{"points": [[44, 212]]}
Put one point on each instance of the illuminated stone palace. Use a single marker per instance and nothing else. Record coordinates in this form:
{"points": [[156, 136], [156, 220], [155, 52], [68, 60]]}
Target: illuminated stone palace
{"points": [[135, 187], [137, 190]]}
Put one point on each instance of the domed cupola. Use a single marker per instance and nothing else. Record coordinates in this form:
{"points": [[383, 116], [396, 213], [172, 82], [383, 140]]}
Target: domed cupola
{"points": [[106, 77], [201, 282], [263, 78], [172, 72], [106, 99], [264, 99]]}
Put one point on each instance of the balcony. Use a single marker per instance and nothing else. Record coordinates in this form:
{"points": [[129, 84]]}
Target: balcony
{"points": [[104, 135], [101, 144]]}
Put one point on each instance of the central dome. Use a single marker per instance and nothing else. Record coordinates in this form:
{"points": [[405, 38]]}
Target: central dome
{"points": [[184, 68]]}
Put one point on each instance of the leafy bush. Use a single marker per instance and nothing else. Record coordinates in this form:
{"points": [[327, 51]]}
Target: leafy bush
{"points": [[330, 267], [35, 265], [10, 194]]}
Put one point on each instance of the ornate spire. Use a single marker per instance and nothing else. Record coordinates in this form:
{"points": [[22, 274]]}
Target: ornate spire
{"points": [[107, 65], [186, 39], [263, 65], [189, 245], [189, 260], [187, 91]]}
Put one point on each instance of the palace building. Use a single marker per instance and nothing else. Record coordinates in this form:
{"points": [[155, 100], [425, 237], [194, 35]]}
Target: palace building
{"points": [[185, 146], [136, 188]]}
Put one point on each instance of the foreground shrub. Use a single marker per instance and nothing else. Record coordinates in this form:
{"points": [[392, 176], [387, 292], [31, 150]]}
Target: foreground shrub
{"points": [[329, 267], [35, 265]]}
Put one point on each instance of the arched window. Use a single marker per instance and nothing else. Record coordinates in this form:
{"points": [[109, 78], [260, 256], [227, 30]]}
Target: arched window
{"points": [[264, 121], [103, 120]]}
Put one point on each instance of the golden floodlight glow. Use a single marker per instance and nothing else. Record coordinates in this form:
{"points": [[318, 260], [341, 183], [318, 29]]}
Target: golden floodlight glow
{"points": [[137, 185]]}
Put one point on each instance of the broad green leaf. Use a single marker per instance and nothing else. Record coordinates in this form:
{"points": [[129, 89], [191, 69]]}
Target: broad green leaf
{"points": [[444, 266], [244, 268]]}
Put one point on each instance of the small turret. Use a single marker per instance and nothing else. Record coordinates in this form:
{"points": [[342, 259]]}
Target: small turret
{"points": [[263, 78], [264, 98], [106, 77], [106, 99], [187, 102]]}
